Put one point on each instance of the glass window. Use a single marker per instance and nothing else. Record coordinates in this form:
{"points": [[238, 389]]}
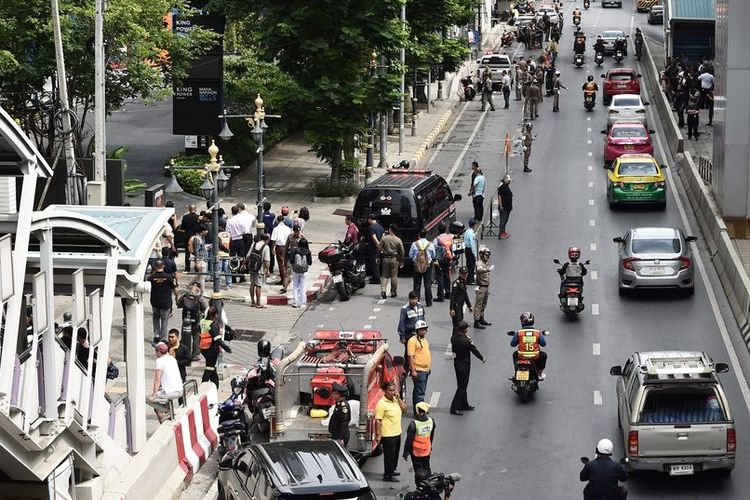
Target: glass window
{"points": [[626, 101], [392, 206], [637, 169], [665, 245], [620, 77], [626, 132], [681, 405], [435, 201]]}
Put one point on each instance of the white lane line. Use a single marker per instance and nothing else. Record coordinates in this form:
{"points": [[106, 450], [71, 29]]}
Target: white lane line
{"points": [[434, 398], [331, 308], [367, 327], [594, 275], [588, 129], [590, 167], [590, 142], [592, 247], [591, 154], [446, 136], [588, 118], [733, 358], [595, 309], [597, 398], [466, 146], [381, 301], [321, 325], [376, 309], [372, 317], [592, 223], [591, 202], [596, 349], [591, 183]]}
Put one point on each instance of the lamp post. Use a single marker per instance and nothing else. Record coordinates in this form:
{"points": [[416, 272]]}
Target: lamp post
{"points": [[370, 159]]}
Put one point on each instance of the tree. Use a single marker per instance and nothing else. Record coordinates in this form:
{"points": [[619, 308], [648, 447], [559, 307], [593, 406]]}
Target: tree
{"points": [[142, 59], [429, 21]]}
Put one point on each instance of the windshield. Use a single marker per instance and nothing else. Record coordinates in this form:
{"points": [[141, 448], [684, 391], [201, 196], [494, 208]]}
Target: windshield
{"points": [[392, 206], [620, 77], [613, 34], [629, 102], [637, 169], [666, 245], [496, 60], [634, 132]]}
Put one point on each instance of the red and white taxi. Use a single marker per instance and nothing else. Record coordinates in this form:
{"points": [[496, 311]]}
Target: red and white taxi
{"points": [[620, 81], [626, 137]]}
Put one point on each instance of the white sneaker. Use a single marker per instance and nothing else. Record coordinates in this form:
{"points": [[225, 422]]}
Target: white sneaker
{"points": [[542, 376]]}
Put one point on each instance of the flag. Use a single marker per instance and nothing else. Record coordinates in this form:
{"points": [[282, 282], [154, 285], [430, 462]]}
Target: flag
{"points": [[507, 147]]}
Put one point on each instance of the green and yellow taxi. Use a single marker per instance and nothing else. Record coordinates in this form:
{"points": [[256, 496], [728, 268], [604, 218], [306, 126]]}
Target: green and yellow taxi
{"points": [[636, 178]]}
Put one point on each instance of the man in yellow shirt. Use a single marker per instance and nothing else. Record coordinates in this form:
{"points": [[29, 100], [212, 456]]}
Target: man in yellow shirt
{"points": [[419, 360], [388, 414]]}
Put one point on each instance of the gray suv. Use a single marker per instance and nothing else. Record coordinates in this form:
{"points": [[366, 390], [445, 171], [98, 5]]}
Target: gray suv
{"points": [[674, 414]]}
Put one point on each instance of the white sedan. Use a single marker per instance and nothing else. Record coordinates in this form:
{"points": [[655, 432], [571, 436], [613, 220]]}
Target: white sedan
{"points": [[628, 107]]}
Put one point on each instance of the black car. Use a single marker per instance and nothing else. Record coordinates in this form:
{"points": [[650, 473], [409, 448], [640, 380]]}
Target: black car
{"points": [[290, 470], [656, 15]]}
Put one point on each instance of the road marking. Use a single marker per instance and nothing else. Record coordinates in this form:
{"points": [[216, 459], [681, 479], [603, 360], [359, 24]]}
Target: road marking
{"points": [[367, 327], [373, 317], [594, 275], [321, 325], [597, 398], [591, 202], [595, 309], [331, 308], [588, 118], [376, 309], [596, 348], [446, 136], [591, 154], [590, 142], [592, 223], [434, 398], [381, 301], [591, 183], [592, 247], [591, 167], [588, 129], [466, 146]]}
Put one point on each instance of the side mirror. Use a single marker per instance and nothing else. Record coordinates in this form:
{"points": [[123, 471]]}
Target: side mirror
{"points": [[585, 460], [616, 371], [638, 75], [664, 165], [398, 360], [691, 238], [226, 462], [624, 461], [619, 239], [555, 261], [510, 333], [457, 197], [602, 131], [646, 103], [604, 76], [722, 367], [650, 131], [587, 262]]}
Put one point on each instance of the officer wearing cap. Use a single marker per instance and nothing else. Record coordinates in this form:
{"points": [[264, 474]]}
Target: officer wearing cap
{"points": [[462, 349], [459, 297], [418, 445], [338, 425]]}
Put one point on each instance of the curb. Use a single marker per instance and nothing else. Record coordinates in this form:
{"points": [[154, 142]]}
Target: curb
{"points": [[430, 139], [313, 292]]}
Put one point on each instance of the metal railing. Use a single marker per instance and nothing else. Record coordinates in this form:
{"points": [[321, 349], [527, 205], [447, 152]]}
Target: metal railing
{"points": [[706, 169]]}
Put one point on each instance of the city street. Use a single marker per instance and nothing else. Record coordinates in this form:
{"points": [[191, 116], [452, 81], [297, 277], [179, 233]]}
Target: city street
{"points": [[505, 449]]}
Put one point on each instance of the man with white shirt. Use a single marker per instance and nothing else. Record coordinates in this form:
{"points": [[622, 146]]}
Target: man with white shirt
{"points": [[167, 381], [248, 224], [279, 237], [707, 83], [236, 230]]}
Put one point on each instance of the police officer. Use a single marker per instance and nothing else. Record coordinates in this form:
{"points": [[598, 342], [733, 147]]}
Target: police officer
{"points": [[459, 297], [533, 98], [462, 349], [418, 445], [603, 475], [528, 140], [556, 86], [483, 289], [338, 425]]}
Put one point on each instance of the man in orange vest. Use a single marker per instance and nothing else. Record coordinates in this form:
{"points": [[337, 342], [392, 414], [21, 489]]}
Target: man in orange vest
{"points": [[529, 341], [418, 445]]}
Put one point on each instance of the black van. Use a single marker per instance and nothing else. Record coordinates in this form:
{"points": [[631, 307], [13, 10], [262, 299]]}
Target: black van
{"points": [[410, 199]]}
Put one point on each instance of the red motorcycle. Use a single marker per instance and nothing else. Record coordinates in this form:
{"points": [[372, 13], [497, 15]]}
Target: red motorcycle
{"points": [[506, 40]]}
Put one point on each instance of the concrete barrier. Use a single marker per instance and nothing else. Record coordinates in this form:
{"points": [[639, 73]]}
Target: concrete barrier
{"points": [[166, 464], [657, 98], [731, 272], [420, 155]]}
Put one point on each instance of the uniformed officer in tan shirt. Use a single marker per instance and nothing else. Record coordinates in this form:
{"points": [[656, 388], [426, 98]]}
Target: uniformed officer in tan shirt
{"points": [[483, 288], [391, 252]]}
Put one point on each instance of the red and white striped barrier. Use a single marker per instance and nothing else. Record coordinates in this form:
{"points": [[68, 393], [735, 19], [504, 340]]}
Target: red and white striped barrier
{"points": [[313, 291], [195, 435]]}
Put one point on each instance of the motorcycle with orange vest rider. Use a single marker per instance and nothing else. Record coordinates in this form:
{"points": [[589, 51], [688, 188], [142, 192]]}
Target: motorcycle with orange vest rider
{"points": [[529, 341]]}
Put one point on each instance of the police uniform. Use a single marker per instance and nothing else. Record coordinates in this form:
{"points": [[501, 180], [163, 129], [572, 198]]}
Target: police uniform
{"points": [[459, 297], [338, 425], [528, 140], [483, 290]]}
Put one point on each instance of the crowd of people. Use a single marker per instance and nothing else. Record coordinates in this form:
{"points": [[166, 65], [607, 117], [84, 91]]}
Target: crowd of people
{"points": [[690, 88]]}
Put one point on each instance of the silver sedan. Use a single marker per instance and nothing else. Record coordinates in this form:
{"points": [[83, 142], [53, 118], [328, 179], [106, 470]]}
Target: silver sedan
{"points": [[655, 257], [628, 107]]}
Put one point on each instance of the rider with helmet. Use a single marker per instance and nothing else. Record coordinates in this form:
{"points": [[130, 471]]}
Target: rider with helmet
{"points": [[529, 342], [590, 87], [603, 475], [599, 45], [579, 41], [483, 287], [576, 16], [572, 273], [621, 46]]}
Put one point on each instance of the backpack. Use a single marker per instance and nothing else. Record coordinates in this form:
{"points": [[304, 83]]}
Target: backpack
{"points": [[444, 248], [421, 263], [255, 259], [205, 336], [574, 270], [299, 263]]}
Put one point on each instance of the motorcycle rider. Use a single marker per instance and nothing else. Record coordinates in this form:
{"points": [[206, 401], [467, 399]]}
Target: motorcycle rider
{"points": [[590, 88], [603, 475], [572, 272], [620, 45], [599, 45], [579, 41], [586, 4], [529, 341], [576, 16], [638, 43]]}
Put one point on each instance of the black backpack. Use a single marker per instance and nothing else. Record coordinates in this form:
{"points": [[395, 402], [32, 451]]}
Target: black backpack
{"points": [[255, 259]]}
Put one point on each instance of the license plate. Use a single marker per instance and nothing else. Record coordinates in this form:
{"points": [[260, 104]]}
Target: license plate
{"points": [[637, 187], [622, 85], [572, 301], [522, 375], [681, 470], [656, 271], [268, 411], [628, 146], [337, 278]]}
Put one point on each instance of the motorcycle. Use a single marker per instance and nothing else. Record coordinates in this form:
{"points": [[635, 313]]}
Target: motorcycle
{"points": [[571, 297], [618, 56], [468, 85], [578, 60], [506, 40], [524, 381], [234, 419], [432, 487], [621, 493], [586, 4], [260, 390], [589, 101], [402, 165], [599, 58], [347, 274], [576, 21]]}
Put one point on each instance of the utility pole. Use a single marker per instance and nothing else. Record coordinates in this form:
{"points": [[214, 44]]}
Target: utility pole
{"points": [[403, 85], [100, 138], [71, 191], [383, 130]]}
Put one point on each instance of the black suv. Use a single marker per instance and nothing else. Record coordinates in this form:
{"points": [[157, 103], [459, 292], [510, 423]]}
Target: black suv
{"points": [[292, 470]]}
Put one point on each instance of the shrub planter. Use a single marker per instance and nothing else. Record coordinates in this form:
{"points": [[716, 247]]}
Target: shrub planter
{"points": [[334, 199]]}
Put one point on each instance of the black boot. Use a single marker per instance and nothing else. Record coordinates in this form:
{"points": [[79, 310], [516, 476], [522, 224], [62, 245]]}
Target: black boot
{"points": [[485, 322], [479, 326]]}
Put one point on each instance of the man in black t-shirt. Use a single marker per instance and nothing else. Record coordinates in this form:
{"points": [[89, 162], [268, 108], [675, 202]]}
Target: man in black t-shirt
{"points": [[190, 223], [374, 235], [504, 205], [163, 286]]}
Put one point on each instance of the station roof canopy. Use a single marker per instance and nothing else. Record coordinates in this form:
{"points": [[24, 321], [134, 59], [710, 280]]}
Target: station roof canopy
{"points": [[692, 10], [17, 152]]}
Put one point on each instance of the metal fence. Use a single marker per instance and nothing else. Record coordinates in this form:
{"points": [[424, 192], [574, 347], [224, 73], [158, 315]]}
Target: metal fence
{"points": [[706, 169]]}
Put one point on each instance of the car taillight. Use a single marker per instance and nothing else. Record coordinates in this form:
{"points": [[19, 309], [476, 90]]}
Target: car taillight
{"points": [[685, 262], [628, 263], [659, 184], [731, 441], [633, 443]]}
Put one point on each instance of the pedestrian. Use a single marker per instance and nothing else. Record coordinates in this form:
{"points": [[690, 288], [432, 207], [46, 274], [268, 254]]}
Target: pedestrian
{"points": [[165, 240], [710, 104], [422, 253], [679, 105], [459, 297], [420, 434], [477, 195], [528, 140], [248, 221], [553, 47], [191, 226], [556, 86], [533, 98], [391, 252], [462, 348], [504, 205], [170, 266], [388, 412], [167, 382], [693, 119], [200, 253], [210, 340], [520, 76], [374, 234], [269, 218], [257, 263], [291, 243], [236, 233], [411, 313], [487, 91], [163, 287], [419, 360], [278, 239], [483, 288], [506, 83], [352, 231], [223, 260], [300, 260], [179, 352], [443, 260], [192, 304], [302, 217], [706, 80], [470, 250], [338, 424]]}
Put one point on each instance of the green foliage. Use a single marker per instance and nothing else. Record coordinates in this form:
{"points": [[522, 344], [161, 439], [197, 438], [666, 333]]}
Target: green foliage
{"points": [[429, 21], [190, 180], [325, 187]]}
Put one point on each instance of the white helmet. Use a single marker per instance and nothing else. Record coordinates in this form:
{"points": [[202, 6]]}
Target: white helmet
{"points": [[604, 447], [420, 324]]}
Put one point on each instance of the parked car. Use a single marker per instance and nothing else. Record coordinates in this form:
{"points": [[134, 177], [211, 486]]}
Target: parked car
{"points": [[636, 178], [655, 257], [497, 63], [292, 469], [627, 107], [674, 414], [609, 37], [620, 81], [626, 137], [656, 15], [550, 11], [644, 5]]}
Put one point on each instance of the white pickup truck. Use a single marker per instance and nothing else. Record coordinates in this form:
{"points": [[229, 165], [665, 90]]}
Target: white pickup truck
{"points": [[497, 63], [674, 414]]}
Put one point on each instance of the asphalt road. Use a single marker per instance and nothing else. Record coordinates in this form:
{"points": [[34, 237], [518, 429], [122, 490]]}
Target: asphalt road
{"points": [[506, 449]]}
